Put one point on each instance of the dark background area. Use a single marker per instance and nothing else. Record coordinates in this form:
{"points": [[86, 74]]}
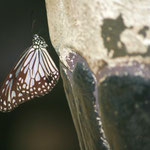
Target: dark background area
{"points": [[43, 123]]}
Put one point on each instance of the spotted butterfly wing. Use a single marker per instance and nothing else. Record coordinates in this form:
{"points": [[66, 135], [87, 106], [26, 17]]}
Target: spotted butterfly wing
{"points": [[34, 75]]}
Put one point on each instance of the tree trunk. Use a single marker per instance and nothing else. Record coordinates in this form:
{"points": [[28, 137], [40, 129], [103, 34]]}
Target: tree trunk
{"points": [[104, 51]]}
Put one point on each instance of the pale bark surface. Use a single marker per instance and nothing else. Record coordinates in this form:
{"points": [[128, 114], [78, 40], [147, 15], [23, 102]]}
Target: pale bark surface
{"points": [[81, 26]]}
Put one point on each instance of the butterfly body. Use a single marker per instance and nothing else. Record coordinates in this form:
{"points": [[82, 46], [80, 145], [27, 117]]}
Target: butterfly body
{"points": [[34, 75]]}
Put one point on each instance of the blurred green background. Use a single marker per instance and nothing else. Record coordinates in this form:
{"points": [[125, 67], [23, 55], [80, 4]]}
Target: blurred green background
{"points": [[43, 123]]}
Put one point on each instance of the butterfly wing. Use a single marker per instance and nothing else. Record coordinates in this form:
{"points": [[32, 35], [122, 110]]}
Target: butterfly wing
{"points": [[34, 75], [9, 92], [38, 76]]}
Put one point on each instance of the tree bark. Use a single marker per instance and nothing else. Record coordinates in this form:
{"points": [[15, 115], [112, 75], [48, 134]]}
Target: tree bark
{"points": [[104, 51]]}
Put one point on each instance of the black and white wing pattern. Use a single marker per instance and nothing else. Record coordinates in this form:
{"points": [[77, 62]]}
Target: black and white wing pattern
{"points": [[34, 75]]}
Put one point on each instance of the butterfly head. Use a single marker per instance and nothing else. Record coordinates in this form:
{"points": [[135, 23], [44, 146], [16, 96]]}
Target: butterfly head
{"points": [[38, 42]]}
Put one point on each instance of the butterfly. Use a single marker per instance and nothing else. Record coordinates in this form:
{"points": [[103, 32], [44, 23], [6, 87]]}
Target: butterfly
{"points": [[34, 75]]}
